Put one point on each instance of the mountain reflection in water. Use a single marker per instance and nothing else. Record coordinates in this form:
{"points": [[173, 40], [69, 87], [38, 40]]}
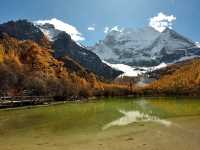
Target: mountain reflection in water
{"points": [[135, 116]]}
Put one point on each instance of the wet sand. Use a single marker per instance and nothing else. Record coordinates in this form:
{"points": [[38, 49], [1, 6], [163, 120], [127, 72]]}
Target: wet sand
{"points": [[183, 134]]}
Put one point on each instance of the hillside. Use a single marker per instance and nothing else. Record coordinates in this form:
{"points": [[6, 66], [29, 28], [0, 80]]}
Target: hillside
{"points": [[26, 66]]}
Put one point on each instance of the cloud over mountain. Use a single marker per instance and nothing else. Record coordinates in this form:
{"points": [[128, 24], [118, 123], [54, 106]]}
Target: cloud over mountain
{"points": [[91, 28], [162, 21]]}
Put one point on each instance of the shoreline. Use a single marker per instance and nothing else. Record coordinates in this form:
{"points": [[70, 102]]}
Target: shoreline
{"points": [[39, 103], [45, 104]]}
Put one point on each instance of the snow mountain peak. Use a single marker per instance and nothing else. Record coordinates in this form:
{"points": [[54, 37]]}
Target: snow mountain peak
{"points": [[144, 47]]}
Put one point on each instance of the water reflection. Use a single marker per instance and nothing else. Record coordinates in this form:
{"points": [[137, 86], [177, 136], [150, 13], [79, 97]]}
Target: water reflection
{"points": [[135, 116]]}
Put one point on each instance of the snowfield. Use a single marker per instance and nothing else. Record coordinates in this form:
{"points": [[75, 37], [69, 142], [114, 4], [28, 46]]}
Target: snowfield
{"points": [[134, 71]]}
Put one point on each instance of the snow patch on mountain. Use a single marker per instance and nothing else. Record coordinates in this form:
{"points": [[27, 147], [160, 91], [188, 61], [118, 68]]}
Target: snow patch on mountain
{"points": [[198, 44], [115, 28], [49, 31], [160, 66], [128, 70], [60, 26], [134, 71]]}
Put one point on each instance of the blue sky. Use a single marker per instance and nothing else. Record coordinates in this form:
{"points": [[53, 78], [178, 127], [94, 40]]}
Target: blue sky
{"points": [[125, 13]]}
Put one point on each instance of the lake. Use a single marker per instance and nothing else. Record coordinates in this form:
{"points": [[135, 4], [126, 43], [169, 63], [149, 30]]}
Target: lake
{"points": [[112, 123]]}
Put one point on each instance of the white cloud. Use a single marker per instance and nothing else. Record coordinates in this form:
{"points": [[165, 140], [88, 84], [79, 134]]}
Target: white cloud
{"points": [[106, 30], [162, 21], [62, 26], [91, 28], [115, 28]]}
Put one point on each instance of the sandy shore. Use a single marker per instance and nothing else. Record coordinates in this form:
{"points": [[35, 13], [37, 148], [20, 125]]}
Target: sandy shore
{"points": [[183, 134]]}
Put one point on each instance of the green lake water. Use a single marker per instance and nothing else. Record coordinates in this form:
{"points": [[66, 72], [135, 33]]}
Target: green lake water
{"points": [[96, 116]]}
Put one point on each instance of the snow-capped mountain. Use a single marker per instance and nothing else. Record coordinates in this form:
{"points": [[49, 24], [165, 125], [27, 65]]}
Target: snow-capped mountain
{"points": [[144, 47], [120, 45]]}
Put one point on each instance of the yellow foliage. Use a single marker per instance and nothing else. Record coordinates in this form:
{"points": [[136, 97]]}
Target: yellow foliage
{"points": [[34, 68], [1, 54], [184, 80]]}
